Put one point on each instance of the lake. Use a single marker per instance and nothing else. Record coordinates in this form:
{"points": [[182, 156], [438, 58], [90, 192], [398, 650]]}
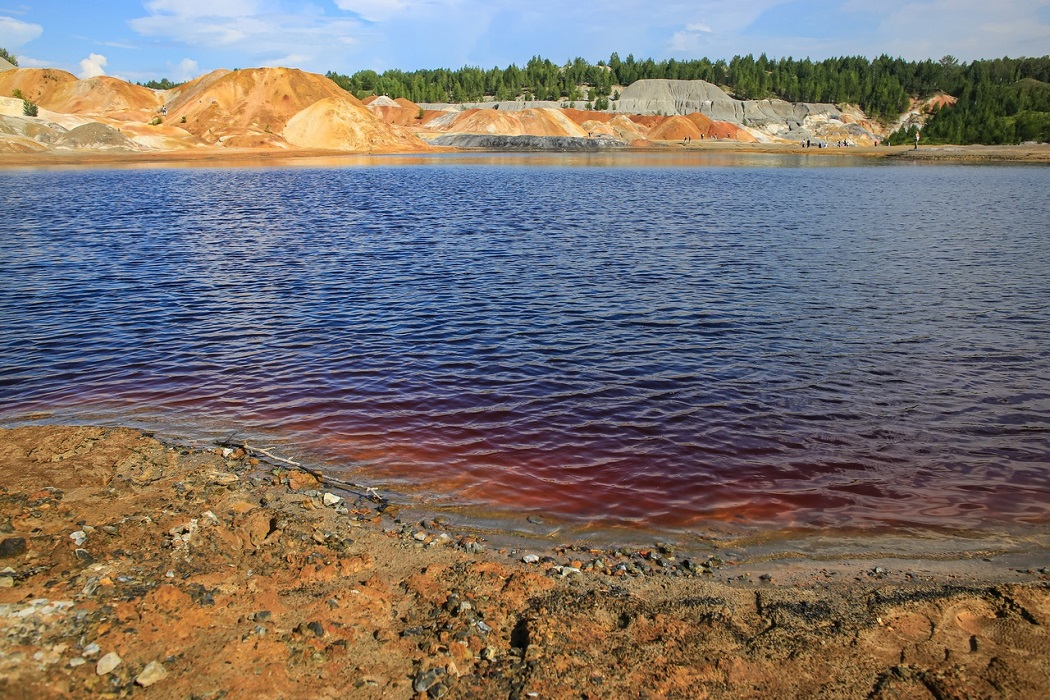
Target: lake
{"points": [[606, 341]]}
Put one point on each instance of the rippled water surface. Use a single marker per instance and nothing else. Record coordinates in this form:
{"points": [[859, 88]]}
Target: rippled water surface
{"points": [[611, 341]]}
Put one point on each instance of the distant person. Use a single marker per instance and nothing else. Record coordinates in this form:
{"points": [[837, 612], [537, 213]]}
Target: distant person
{"points": [[916, 141]]}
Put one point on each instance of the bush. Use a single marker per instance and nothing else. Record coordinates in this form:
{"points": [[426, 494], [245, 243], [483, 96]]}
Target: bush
{"points": [[29, 109], [156, 121]]}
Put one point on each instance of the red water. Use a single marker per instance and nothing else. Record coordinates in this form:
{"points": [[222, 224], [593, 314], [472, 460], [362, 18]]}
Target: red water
{"points": [[648, 347]]}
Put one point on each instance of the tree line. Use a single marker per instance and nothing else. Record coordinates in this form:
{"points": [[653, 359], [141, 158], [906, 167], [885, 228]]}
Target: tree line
{"points": [[999, 101], [880, 87]]}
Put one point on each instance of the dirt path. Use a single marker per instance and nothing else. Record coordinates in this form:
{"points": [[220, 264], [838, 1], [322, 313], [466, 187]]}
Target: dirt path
{"points": [[132, 568]]}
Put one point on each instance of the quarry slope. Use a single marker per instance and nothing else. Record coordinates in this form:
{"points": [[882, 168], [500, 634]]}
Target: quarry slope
{"points": [[288, 109]]}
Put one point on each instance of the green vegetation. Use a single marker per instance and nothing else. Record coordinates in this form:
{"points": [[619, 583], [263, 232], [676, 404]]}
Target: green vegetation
{"points": [[17, 94], [8, 57], [1000, 101], [880, 87], [162, 84], [29, 109]]}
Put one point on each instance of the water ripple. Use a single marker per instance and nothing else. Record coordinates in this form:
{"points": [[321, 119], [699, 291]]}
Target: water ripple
{"points": [[861, 345]]}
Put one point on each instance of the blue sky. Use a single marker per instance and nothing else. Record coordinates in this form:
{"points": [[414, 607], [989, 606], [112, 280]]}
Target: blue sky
{"points": [[140, 40]]}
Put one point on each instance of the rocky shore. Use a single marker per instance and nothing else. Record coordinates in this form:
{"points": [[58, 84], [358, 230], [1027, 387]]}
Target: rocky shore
{"points": [[132, 567]]}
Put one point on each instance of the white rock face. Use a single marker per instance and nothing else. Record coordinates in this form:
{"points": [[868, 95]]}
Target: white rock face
{"points": [[689, 96]]}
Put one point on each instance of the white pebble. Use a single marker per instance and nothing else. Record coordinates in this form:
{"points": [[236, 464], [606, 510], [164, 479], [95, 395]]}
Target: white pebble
{"points": [[107, 663]]}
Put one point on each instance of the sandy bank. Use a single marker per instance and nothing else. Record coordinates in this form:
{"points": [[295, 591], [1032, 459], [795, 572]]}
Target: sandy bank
{"points": [[136, 568], [246, 157]]}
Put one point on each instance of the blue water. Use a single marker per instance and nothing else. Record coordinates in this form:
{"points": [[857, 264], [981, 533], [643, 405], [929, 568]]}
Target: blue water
{"points": [[620, 340]]}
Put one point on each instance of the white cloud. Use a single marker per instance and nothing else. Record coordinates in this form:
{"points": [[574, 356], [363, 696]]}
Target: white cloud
{"points": [[93, 66], [15, 32], [30, 62], [187, 69], [244, 28], [211, 8], [382, 10]]}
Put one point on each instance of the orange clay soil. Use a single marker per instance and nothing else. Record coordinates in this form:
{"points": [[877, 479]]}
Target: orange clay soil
{"points": [[135, 568]]}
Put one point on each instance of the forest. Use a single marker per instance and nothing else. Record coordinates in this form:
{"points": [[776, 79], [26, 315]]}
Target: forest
{"points": [[1003, 100]]}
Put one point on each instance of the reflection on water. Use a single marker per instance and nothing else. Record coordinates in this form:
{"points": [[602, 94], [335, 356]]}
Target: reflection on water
{"points": [[588, 335]]}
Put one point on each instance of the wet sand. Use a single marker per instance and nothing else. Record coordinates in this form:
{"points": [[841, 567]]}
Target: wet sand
{"points": [[131, 567]]}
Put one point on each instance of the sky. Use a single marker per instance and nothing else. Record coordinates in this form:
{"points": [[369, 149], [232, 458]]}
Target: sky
{"points": [[140, 40]]}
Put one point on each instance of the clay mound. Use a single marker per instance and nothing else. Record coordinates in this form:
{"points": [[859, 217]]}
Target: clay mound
{"points": [[401, 112], [658, 96], [487, 121], [96, 137], [702, 121], [248, 105], [549, 122], [596, 128], [379, 101], [104, 96], [343, 123], [675, 129], [442, 119], [581, 116], [16, 129], [527, 122], [19, 145], [162, 137], [34, 83], [618, 127], [732, 132], [646, 120]]}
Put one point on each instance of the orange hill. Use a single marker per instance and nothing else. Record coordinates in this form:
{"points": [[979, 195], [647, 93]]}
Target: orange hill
{"points": [[247, 107], [343, 123], [530, 122], [400, 111], [103, 96], [35, 84]]}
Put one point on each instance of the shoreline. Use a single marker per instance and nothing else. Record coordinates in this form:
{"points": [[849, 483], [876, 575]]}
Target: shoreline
{"points": [[220, 157], [215, 570]]}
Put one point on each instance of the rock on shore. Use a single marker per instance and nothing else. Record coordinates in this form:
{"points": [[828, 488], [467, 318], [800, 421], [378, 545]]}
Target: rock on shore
{"points": [[135, 568]]}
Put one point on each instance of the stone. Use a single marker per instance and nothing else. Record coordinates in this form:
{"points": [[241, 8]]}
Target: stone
{"points": [[12, 547], [330, 499], [91, 649], [531, 559], [222, 478], [107, 663], [419, 536], [7, 582], [79, 537], [535, 519], [153, 673], [426, 680]]}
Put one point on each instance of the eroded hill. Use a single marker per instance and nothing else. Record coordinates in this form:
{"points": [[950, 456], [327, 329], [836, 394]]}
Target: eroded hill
{"points": [[288, 109]]}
